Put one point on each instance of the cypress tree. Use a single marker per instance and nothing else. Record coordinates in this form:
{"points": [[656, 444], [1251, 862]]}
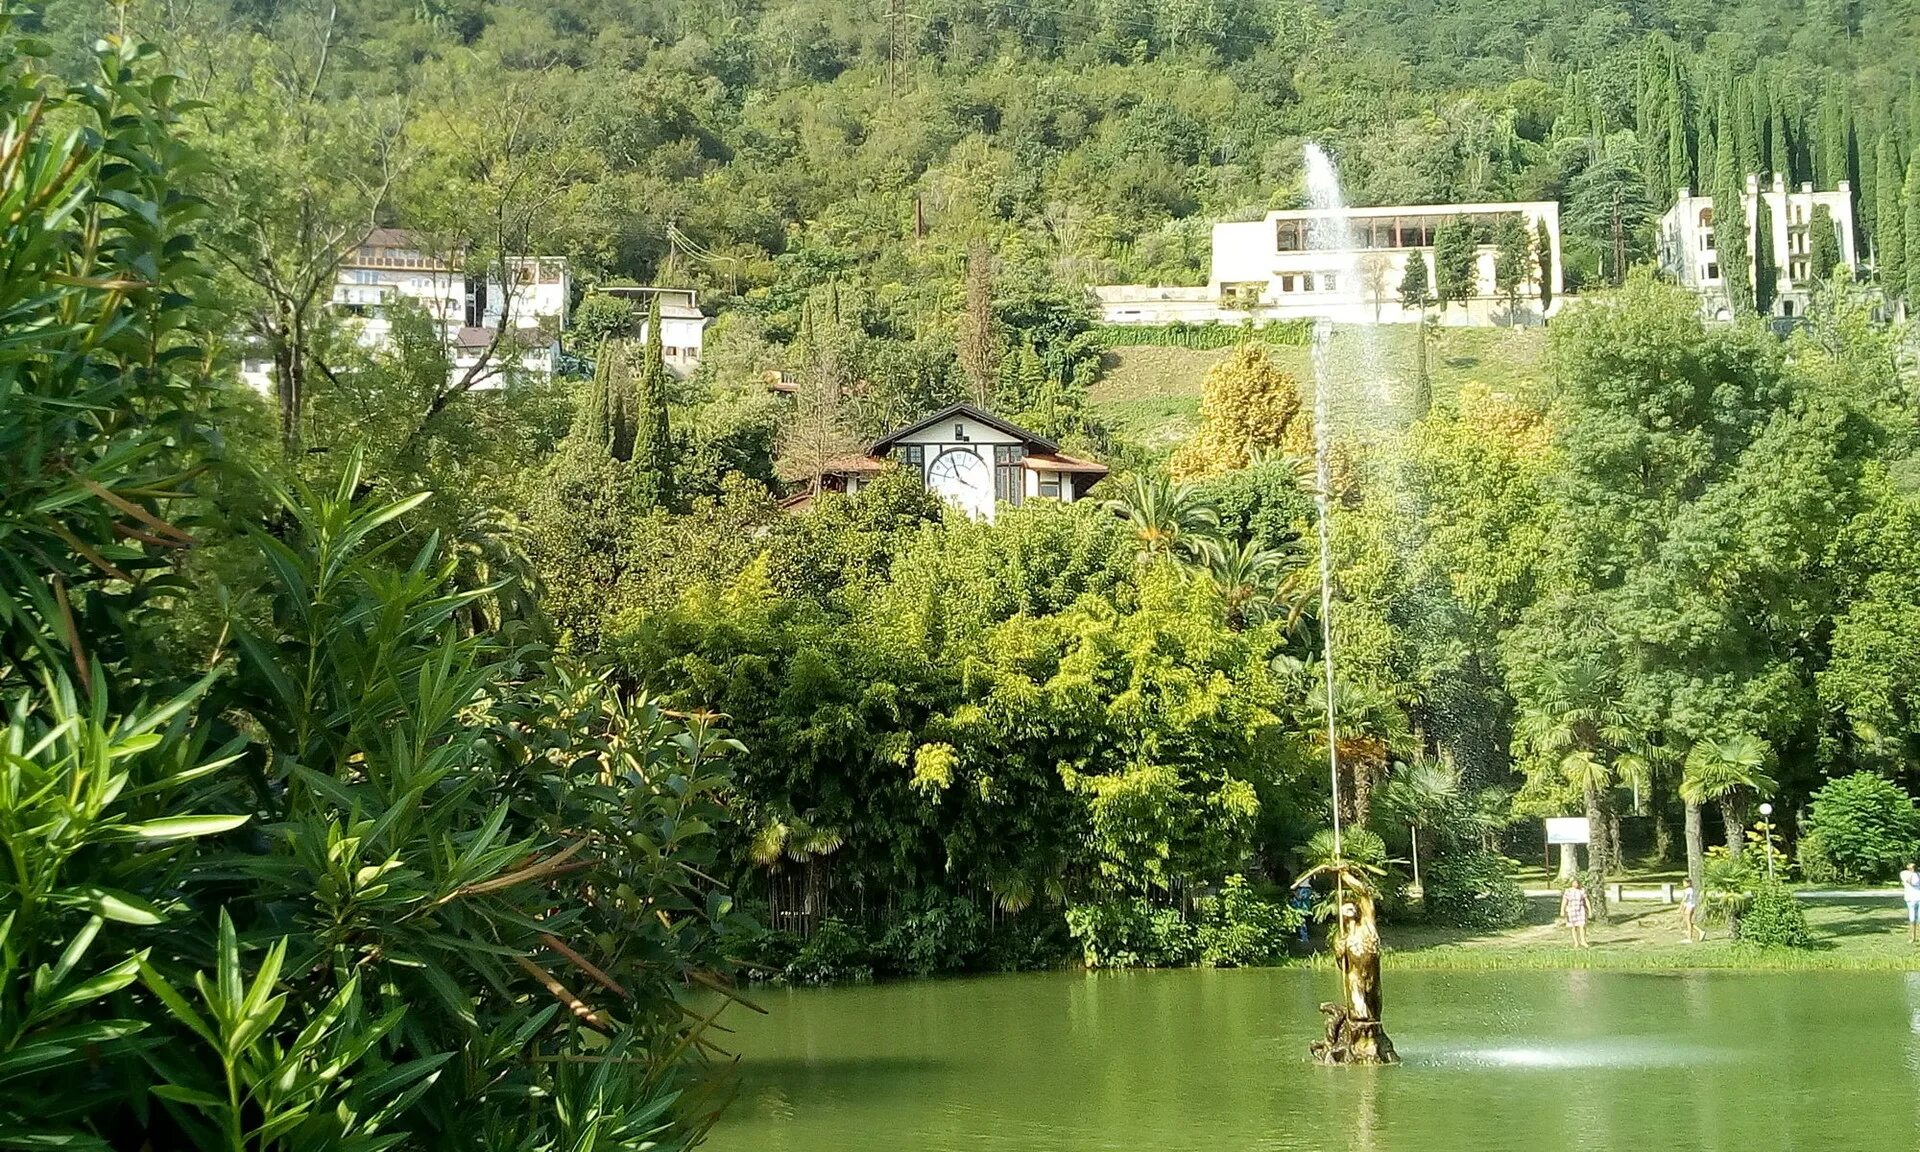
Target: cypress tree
{"points": [[1853, 175], [1780, 142], [593, 423], [1543, 253], [1824, 243], [1911, 224], [1865, 195], [1830, 147], [1455, 262], [1748, 126], [1679, 162], [1913, 115], [1890, 233], [1730, 232], [1766, 269], [652, 439]]}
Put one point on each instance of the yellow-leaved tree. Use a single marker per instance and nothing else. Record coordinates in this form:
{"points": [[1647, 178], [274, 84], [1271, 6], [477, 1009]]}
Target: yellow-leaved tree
{"points": [[1248, 405]]}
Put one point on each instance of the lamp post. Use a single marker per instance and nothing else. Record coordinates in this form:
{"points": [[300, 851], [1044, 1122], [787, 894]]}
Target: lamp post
{"points": [[1766, 823]]}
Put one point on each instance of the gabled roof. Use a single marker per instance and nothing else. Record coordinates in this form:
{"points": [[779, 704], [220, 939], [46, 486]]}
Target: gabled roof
{"points": [[881, 446]]}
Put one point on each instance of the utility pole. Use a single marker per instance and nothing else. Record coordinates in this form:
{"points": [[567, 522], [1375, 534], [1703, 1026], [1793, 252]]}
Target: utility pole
{"points": [[896, 42]]}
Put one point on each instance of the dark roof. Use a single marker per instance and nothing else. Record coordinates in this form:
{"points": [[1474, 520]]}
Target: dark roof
{"points": [[1033, 443]]}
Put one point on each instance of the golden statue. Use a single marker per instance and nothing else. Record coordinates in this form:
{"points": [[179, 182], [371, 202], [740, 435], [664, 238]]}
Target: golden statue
{"points": [[1355, 1034]]}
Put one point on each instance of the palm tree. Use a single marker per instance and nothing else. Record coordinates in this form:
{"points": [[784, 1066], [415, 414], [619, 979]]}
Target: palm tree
{"points": [[1168, 518], [1723, 771], [1568, 723], [1421, 793], [1253, 581]]}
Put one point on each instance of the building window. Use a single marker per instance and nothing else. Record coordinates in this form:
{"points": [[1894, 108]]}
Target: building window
{"points": [[1286, 282], [1241, 294], [1713, 270], [1327, 282], [1050, 486], [1009, 478], [1287, 236], [1306, 282]]}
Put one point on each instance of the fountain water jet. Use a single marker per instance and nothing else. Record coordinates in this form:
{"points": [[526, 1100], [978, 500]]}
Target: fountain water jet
{"points": [[1355, 1034]]}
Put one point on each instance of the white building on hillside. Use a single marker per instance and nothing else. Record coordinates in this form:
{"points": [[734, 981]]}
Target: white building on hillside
{"points": [[1285, 267], [972, 459], [1689, 255], [683, 326], [515, 322]]}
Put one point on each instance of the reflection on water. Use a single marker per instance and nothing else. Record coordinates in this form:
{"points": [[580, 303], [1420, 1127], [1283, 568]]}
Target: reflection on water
{"points": [[1217, 1062]]}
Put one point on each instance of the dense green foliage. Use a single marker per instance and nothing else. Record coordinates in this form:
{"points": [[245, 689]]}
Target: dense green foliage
{"points": [[1865, 825], [1774, 919], [1474, 889], [1676, 572], [354, 871]]}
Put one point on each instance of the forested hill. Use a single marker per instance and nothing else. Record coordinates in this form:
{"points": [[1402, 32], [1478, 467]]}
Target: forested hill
{"points": [[795, 141]]}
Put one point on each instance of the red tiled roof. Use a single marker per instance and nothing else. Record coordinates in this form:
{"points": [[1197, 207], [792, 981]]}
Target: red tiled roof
{"points": [[1061, 462], [846, 464]]}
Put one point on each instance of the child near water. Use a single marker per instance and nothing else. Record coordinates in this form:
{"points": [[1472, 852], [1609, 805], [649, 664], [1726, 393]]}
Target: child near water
{"points": [[1573, 909]]}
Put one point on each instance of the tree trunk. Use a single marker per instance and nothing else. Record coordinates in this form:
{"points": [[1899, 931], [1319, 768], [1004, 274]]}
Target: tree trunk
{"points": [[1614, 849], [1696, 847], [1662, 828], [1730, 815], [1598, 858]]}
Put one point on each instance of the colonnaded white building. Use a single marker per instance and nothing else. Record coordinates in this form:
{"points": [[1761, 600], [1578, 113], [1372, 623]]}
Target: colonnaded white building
{"points": [[1303, 265], [972, 459], [1688, 252], [508, 322]]}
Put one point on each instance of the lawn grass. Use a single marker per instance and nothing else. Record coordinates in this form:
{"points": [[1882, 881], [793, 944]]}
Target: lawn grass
{"points": [[1849, 935], [1150, 396]]}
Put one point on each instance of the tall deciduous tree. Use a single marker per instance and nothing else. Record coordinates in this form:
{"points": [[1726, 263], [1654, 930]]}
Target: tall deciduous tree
{"points": [[1248, 405], [302, 173], [979, 344]]}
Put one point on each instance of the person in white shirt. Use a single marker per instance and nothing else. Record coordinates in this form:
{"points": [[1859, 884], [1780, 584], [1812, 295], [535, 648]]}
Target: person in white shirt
{"points": [[1689, 912], [1910, 888]]}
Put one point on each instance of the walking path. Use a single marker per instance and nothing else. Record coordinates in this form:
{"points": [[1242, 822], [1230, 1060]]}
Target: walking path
{"points": [[1660, 895]]}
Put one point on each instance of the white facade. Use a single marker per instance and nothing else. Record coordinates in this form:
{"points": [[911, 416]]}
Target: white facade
{"points": [[1301, 265], [392, 265], [1689, 255], [682, 325], [974, 461]]}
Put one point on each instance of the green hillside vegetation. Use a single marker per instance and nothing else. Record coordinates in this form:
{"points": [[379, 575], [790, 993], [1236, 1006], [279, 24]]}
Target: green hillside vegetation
{"points": [[1151, 396]]}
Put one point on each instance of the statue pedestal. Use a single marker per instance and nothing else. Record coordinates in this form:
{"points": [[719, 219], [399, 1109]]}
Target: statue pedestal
{"points": [[1353, 1041]]}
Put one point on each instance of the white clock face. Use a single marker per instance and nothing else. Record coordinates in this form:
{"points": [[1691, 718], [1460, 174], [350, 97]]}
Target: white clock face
{"points": [[962, 478]]}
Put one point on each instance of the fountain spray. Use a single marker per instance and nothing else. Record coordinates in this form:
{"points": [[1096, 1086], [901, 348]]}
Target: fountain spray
{"points": [[1323, 503], [1354, 1031]]}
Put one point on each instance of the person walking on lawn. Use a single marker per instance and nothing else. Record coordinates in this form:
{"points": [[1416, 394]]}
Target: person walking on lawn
{"points": [[1573, 909], [1690, 914]]}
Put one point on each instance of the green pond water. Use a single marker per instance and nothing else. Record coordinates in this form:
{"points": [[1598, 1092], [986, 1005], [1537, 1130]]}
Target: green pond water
{"points": [[1217, 1062]]}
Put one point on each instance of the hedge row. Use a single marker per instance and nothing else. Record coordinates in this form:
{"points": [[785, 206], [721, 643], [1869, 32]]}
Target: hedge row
{"points": [[1286, 333]]}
